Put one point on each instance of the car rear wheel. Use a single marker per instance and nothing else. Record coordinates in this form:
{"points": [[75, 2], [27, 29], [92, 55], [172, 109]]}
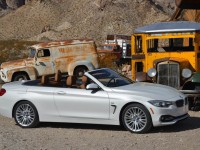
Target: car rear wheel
{"points": [[26, 115], [136, 118]]}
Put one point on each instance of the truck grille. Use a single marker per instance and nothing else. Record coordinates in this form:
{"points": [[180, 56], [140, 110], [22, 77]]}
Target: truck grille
{"points": [[169, 74]]}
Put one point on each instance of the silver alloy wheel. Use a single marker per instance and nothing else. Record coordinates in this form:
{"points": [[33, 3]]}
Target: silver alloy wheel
{"points": [[135, 119], [25, 115]]}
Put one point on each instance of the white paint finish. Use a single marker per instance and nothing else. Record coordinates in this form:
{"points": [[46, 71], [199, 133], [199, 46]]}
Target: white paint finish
{"points": [[56, 104], [82, 103]]}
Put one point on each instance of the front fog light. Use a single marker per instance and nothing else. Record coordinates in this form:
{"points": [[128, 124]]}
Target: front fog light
{"points": [[166, 118]]}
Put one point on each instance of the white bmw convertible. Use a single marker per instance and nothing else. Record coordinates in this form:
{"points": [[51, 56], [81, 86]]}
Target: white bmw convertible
{"points": [[101, 97]]}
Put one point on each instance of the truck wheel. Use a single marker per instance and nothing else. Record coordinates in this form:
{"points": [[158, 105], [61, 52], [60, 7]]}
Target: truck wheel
{"points": [[79, 71], [20, 77]]}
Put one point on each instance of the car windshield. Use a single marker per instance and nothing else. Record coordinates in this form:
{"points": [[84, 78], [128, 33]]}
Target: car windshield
{"points": [[32, 52], [110, 78]]}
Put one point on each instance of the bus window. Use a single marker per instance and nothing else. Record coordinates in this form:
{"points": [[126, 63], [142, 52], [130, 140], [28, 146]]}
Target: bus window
{"points": [[170, 45], [138, 67], [138, 42]]}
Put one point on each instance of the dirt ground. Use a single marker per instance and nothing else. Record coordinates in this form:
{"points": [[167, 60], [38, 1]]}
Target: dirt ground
{"points": [[50, 136]]}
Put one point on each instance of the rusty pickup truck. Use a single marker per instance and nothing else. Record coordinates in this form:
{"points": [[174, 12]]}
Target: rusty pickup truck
{"points": [[71, 56]]}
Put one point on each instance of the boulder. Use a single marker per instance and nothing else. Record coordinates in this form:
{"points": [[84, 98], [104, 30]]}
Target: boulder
{"points": [[14, 4], [3, 4]]}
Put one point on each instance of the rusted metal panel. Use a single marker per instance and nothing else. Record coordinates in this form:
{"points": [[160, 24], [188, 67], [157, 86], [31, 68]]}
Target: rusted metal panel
{"points": [[62, 43], [62, 55], [69, 54], [13, 64], [29, 70]]}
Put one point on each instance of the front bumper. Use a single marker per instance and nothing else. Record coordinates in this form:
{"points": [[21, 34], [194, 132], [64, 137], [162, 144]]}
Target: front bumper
{"points": [[169, 116], [3, 76], [168, 120]]}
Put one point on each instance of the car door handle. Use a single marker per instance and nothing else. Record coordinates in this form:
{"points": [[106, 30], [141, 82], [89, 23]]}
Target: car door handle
{"points": [[61, 93]]}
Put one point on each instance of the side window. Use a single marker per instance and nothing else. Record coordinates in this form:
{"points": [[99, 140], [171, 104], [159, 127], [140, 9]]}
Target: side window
{"points": [[32, 53], [138, 42], [43, 53], [138, 67]]}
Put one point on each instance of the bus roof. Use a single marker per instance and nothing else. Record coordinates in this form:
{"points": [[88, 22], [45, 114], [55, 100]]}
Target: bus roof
{"points": [[166, 27]]}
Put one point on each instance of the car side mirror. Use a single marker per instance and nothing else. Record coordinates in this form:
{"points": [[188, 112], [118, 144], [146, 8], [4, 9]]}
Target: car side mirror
{"points": [[92, 86]]}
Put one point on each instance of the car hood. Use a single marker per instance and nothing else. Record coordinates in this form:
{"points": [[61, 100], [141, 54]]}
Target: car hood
{"points": [[12, 64], [150, 90]]}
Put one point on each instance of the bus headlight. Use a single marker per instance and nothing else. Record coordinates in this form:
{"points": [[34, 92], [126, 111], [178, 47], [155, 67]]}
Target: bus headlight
{"points": [[151, 72], [186, 73]]}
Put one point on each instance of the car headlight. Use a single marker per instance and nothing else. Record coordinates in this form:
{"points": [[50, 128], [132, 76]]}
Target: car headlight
{"points": [[160, 103]]}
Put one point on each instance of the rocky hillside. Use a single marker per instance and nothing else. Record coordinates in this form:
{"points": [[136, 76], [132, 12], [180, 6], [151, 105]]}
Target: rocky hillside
{"points": [[41, 20]]}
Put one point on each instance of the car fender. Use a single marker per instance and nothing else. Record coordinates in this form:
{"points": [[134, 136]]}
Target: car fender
{"points": [[196, 77]]}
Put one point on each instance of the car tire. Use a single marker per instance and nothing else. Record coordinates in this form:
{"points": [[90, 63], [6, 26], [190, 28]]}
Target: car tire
{"points": [[26, 115], [20, 77], [136, 118], [79, 71]]}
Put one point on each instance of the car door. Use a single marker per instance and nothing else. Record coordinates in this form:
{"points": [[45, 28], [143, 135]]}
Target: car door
{"points": [[82, 103], [42, 97], [44, 63]]}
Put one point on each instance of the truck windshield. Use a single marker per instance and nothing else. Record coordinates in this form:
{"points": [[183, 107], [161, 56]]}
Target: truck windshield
{"points": [[32, 52], [170, 45]]}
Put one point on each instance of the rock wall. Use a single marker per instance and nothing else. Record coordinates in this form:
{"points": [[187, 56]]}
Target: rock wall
{"points": [[67, 19]]}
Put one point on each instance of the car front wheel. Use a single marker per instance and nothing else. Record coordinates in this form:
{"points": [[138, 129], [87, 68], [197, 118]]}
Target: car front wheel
{"points": [[136, 118], [26, 115]]}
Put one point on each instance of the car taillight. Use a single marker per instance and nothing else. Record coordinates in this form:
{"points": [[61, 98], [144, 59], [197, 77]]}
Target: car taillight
{"points": [[2, 92]]}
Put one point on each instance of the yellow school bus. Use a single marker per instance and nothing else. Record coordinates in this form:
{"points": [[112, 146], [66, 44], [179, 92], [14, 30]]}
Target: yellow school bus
{"points": [[168, 53]]}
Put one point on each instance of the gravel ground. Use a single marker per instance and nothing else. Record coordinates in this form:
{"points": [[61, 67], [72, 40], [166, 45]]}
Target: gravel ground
{"points": [[50, 136]]}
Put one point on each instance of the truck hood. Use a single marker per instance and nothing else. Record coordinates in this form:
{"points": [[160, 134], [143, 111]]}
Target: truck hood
{"points": [[150, 90], [13, 64]]}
